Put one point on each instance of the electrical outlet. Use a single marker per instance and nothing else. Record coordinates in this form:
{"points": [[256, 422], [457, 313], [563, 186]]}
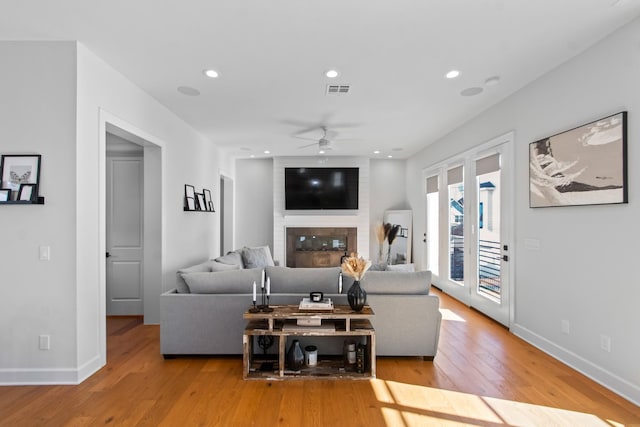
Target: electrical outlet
{"points": [[44, 342], [605, 343], [565, 326]]}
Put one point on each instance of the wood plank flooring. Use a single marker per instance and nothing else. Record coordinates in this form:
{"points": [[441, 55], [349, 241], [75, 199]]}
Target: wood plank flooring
{"points": [[482, 375]]}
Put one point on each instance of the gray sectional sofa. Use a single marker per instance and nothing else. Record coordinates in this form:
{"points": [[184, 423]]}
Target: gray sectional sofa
{"points": [[203, 314]]}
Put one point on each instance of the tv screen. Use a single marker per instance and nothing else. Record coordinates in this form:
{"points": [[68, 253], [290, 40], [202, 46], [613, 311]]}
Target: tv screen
{"points": [[320, 188]]}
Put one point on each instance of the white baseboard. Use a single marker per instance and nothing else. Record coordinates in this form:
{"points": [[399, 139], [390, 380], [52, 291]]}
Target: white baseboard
{"points": [[603, 377], [59, 376]]}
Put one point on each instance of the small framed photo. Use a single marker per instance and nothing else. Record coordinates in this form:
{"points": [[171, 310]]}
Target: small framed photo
{"points": [[17, 169], [191, 203], [5, 194], [207, 199], [200, 205], [27, 192], [189, 192]]}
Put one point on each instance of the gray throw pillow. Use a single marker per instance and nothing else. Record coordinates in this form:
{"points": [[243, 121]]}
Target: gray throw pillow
{"points": [[259, 257], [232, 258], [410, 268], [223, 282], [218, 266]]}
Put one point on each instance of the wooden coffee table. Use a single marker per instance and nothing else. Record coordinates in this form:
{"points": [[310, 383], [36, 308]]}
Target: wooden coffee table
{"points": [[281, 323]]}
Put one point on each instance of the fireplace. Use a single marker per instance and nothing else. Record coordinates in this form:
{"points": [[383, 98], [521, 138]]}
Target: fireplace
{"points": [[319, 246]]}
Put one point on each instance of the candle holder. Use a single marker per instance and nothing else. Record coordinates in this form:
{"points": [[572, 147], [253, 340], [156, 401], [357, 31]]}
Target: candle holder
{"points": [[264, 306]]}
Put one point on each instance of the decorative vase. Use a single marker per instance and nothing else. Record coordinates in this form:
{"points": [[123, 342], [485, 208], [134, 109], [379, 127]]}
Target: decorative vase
{"points": [[357, 296], [295, 356]]}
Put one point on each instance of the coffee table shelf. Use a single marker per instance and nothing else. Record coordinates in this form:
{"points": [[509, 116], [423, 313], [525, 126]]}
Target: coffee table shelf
{"points": [[280, 323]]}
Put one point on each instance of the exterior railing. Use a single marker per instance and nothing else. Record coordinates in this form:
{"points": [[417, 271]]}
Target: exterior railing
{"points": [[489, 261]]}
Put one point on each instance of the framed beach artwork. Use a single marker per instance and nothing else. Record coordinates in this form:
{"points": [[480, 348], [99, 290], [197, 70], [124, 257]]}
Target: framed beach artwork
{"points": [[582, 166]]}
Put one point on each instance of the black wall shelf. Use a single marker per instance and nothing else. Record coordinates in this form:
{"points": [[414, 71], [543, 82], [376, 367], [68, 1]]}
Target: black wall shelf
{"points": [[40, 201]]}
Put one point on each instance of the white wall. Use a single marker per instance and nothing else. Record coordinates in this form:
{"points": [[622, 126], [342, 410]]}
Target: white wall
{"points": [[37, 116], [583, 271], [58, 114], [254, 203], [388, 187]]}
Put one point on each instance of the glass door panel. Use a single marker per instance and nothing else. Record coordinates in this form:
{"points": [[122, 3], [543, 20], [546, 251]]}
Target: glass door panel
{"points": [[433, 220], [456, 224], [489, 282]]}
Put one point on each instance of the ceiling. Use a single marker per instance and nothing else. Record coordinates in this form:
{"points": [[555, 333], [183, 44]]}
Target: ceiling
{"points": [[272, 56]]}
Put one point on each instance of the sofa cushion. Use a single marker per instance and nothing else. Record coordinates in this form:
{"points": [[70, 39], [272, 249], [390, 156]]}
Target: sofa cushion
{"points": [[223, 282], [401, 267], [181, 286], [231, 258], [287, 280], [219, 266], [259, 257], [396, 282]]}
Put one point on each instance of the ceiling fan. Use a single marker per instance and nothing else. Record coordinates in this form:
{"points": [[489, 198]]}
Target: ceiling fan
{"points": [[324, 143]]}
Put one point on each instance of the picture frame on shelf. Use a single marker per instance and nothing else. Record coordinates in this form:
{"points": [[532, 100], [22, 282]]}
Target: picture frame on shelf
{"points": [[189, 193], [200, 205], [18, 169], [208, 204], [27, 193], [191, 203], [586, 165], [5, 194]]}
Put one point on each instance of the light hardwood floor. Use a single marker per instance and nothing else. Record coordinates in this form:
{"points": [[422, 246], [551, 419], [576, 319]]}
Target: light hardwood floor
{"points": [[482, 375]]}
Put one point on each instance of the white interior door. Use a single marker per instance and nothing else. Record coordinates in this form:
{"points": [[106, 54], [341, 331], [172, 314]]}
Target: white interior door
{"points": [[124, 223]]}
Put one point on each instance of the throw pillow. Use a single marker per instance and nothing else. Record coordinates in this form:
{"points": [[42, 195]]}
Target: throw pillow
{"points": [[232, 258], [223, 282], [219, 266], [401, 267], [380, 266], [259, 257]]}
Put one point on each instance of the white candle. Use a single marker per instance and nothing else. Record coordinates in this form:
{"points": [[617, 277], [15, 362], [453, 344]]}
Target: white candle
{"points": [[262, 280], [340, 283], [268, 286], [254, 291]]}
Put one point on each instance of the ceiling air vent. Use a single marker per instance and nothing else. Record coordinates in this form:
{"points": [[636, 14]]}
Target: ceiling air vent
{"points": [[338, 89]]}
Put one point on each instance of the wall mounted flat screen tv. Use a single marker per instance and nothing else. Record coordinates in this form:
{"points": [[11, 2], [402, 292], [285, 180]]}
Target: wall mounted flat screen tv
{"points": [[320, 188]]}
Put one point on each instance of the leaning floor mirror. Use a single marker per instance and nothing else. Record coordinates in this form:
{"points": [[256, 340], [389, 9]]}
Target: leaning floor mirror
{"points": [[399, 247]]}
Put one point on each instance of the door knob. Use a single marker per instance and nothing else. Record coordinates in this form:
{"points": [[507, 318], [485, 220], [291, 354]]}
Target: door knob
{"points": [[108, 255]]}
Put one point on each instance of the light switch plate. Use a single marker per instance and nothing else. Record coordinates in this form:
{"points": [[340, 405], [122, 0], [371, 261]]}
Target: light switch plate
{"points": [[45, 253]]}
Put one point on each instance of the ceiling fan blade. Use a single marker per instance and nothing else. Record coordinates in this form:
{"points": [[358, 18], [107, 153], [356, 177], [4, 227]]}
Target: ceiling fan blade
{"points": [[308, 145], [305, 138]]}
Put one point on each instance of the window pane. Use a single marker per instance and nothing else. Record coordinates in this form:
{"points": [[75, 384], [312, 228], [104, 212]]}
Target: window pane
{"points": [[432, 232], [456, 231], [489, 254]]}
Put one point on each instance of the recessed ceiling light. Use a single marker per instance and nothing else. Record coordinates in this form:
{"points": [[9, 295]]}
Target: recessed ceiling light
{"points": [[390, 156], [267, 152], [492, 81], [452, 74], [471, 91], [189, 91], [211, 73], [332, 74], [376, 152]]}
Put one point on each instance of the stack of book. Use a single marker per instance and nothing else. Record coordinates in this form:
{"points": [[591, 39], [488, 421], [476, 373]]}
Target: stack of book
{"points": [[325, 305]]}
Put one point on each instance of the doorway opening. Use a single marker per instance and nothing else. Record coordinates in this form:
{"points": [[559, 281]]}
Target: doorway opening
{"points": [[149, 189]]}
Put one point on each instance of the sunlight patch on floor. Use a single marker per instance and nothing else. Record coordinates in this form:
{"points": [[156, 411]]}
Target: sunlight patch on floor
{"points": [[409, 404], [450, 315]]}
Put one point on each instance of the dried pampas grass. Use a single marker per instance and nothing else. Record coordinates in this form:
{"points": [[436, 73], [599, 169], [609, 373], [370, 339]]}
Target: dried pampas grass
{"points": [[355, 266]]}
